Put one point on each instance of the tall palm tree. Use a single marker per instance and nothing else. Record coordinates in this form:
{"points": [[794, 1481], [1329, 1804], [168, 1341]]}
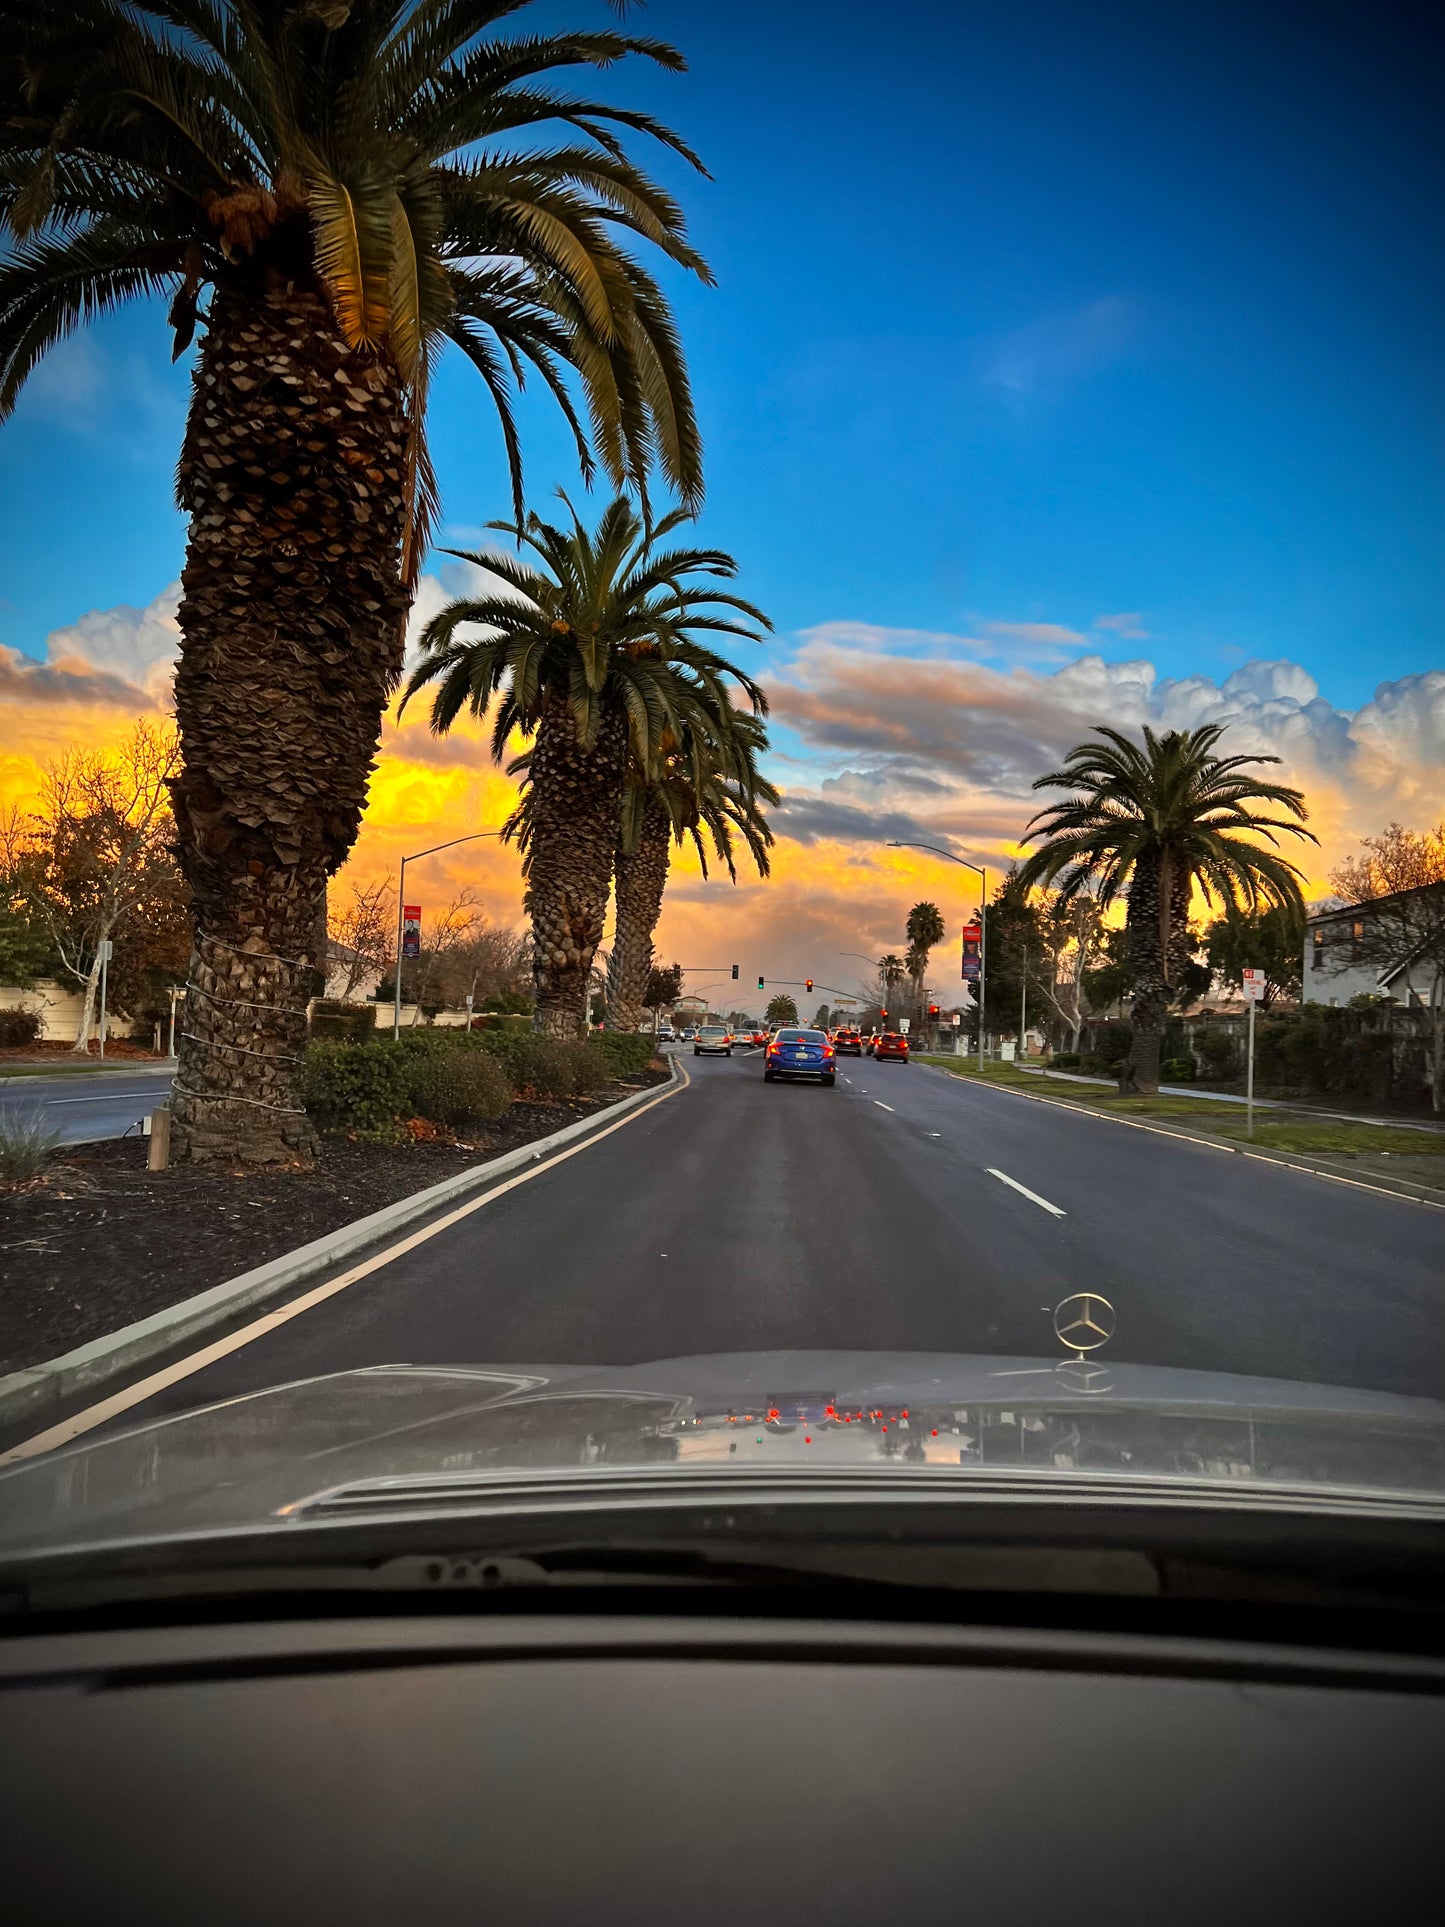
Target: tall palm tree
{"points": [[705, 779], [924, 929], [892, 970], [1151, 822], [348, 186], [595, 658]]}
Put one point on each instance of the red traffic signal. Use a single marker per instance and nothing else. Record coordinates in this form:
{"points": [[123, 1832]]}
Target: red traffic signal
{"points": [[933, 1010], [808, 983]]}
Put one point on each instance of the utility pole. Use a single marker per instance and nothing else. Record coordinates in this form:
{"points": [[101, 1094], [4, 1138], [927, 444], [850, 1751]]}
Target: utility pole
{"points": [[982, 873], [105, 950], [476, 836], [1023, 1001]]}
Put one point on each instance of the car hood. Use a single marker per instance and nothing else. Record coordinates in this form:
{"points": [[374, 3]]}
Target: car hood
{"points": [[282, 1453]]}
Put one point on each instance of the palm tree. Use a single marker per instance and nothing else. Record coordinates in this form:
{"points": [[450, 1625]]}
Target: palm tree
{"points": [[924, 929], [354, 184], [705, 779], [595, 659], [1150, 822], [892, 970]]}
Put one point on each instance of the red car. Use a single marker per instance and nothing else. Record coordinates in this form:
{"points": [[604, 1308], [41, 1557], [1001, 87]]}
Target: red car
{"points": [[892, 1043]]}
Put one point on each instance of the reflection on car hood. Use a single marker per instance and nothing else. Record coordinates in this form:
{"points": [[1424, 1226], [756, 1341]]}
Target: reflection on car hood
{"points": [[279, 1453]]}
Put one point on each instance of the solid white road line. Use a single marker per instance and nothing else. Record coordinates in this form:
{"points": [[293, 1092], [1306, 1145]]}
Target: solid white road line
{"points": [[109, 1097], [881, 1105], [1024, 1191], [145, 1388]]}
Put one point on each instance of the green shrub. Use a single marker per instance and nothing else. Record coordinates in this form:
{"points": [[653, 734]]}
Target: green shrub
{"points": [[459, 1087], [1178, 1070], [18, 1028], [1114, 1045], [356, 1086], [339, 1022], [624, 1052], [551, 1067], [1218, 1050], [1064, 1060], [1092, 1065]]}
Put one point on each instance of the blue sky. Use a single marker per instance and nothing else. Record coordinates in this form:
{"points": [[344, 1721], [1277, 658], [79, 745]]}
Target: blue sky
{"points": [[1028, 314]]}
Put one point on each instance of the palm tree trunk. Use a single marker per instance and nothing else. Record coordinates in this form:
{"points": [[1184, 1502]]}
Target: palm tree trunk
{"points": [[292, 616], [1140, 1070], [641, 878], [577, 794]]}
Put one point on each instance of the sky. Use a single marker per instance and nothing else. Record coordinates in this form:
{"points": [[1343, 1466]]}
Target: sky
{"points": [[1068, 363]]}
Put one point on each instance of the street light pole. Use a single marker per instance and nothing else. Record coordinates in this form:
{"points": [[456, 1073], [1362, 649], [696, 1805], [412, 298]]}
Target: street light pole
{"points": [[475, 837], [982, 873]]}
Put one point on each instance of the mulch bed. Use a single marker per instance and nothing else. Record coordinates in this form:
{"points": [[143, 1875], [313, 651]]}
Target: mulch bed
{"points": [[102, 1241]]}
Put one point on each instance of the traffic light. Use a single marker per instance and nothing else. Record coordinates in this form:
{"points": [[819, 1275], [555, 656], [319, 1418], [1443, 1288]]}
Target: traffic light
{"points": [[735, 973], [760, 983], [933, 1010], [808, 985]]}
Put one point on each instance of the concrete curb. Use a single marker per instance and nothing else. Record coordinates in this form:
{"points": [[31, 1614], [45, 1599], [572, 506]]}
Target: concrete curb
{"points": [[24, 1393], [1387, 1187]]}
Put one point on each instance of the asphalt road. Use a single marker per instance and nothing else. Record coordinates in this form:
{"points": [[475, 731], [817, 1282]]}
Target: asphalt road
{"points": [[85, 1106], [885, 1214]]}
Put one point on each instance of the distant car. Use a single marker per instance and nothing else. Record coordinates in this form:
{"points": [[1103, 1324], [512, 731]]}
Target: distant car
{"points": [[892, 1043], [716, 1038], [848, 1043], [667, 1035], [800, 1053], [760, 1037]]}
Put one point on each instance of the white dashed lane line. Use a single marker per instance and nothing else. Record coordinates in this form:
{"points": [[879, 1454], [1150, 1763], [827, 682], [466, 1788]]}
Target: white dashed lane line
{"points": [[1024, 1192], [881, 1105]]}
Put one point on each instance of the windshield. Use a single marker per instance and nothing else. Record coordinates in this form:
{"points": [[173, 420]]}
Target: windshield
{"points": [[978, 587]]}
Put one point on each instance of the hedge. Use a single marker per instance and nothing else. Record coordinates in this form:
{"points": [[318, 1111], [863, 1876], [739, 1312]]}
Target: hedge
{"points": [[456, 1076], [460, 1087]]}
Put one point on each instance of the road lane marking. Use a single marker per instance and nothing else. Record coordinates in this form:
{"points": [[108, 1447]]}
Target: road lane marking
{"points": [[112, 1097], [881, 1105], [1204, 1143], [135, 1394], [1024, 1191]]}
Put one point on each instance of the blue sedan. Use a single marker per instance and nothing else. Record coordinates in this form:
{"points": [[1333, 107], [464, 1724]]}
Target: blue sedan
{"points": [[800, 1053]]}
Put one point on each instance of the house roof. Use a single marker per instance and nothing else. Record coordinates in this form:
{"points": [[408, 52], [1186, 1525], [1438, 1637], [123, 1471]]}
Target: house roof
{"points": [[1368, 906]]}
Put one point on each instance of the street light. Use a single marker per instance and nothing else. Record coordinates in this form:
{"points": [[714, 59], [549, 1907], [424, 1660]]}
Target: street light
{"points": [[475, 837], [982, 874]]}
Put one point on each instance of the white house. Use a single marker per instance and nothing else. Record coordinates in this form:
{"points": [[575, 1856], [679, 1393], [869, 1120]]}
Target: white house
{"points": [[1335, 969]]}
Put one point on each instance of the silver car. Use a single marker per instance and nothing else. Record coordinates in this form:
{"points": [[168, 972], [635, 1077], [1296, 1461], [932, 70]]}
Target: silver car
{"points": [[715, 1038]]}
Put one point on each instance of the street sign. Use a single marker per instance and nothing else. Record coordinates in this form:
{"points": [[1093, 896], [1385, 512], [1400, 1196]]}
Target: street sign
{"points": [[904, 1023], [1253, 986], [104, 950], [411, 930], [957, 1017]]}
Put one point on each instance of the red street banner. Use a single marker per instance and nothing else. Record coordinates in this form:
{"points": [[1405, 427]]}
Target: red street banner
{"points": [[972, 940], [411, 930]]}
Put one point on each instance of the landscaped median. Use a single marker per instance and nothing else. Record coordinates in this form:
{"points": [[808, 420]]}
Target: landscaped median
{"points": [[1410, 1161], [98, 1243]]}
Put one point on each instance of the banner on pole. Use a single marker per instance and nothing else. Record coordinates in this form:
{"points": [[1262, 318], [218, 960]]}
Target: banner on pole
{"points": [[972, 946], [411, 930]]}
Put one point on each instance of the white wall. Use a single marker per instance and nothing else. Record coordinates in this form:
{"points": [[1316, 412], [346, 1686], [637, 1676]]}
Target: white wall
{"points": [[59, 1007]]}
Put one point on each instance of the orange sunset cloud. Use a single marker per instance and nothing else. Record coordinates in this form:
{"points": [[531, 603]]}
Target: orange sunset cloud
{"points": [[880, 735]]}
